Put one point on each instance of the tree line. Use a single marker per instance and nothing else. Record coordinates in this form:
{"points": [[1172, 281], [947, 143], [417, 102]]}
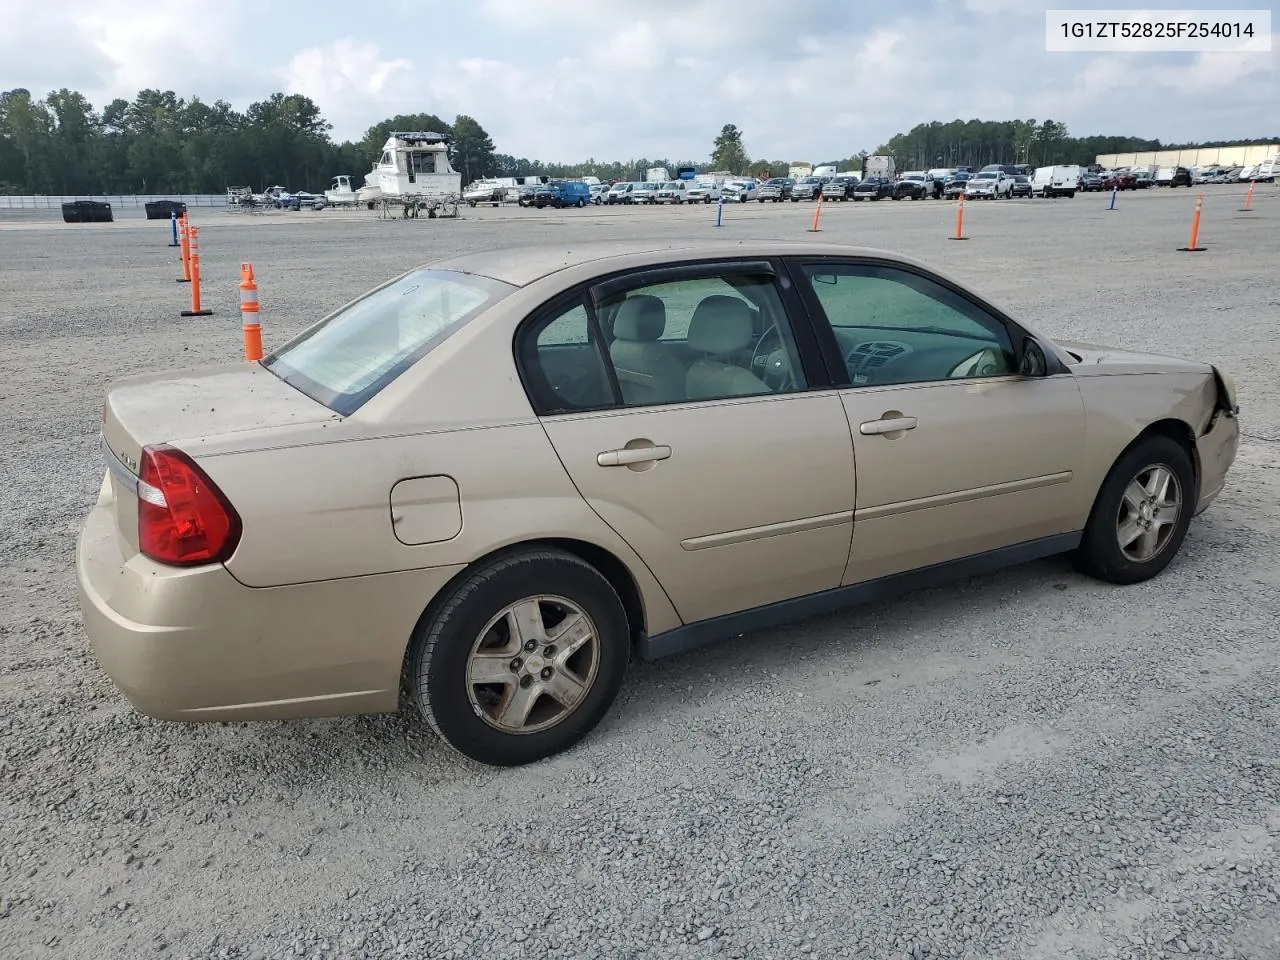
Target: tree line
{"points": [[160, 143]]}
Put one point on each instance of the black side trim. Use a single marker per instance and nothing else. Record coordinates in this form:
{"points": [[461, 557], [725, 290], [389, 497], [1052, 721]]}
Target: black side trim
{"points": [[694, 635], [602, 289]]}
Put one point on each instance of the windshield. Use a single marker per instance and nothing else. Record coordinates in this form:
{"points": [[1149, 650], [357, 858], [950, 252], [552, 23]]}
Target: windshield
{"points": [[985, 176], [349, 357]]}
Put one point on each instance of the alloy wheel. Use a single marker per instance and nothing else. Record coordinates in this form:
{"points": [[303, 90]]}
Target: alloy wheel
{"points": [[1149, 513], [533, 664]]}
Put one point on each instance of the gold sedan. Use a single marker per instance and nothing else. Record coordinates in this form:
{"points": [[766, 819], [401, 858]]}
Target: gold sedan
{"points": [[494, 479]]}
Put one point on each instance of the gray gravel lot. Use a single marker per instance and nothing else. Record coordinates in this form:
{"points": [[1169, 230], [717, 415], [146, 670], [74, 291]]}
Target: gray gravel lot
{"points": [[1023, 765]]}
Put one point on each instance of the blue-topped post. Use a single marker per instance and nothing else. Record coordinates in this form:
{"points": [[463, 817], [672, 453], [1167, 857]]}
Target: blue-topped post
{"points": [[1113, 198], [173, 222], [719, 208]]}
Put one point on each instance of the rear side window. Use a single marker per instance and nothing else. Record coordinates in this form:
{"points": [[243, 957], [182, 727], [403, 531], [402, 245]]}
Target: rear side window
{"points": [[563, 364], [348, 358]]}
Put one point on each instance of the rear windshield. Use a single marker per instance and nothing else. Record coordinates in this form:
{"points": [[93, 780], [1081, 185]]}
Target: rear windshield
{"points": [[349, 357]]}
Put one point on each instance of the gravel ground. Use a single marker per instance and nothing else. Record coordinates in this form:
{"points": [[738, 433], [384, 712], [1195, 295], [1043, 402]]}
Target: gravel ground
{"points": [[1024, 765]]}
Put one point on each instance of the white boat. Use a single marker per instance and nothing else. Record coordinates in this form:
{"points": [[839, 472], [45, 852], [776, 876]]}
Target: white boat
{"points": [[413, 171], [486, 191], [340, 194]]}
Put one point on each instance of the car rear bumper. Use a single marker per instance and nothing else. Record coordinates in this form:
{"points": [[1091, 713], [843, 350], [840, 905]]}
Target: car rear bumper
{"points": [[1216, 452], [196, 644]]}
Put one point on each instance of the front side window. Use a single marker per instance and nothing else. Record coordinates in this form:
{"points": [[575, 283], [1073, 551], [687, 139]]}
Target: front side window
{"points": [[348, 358], [893, 326]]}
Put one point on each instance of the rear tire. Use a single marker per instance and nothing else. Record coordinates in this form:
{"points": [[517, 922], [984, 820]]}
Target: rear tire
{"points": [[1124, 508], [447, 646]]}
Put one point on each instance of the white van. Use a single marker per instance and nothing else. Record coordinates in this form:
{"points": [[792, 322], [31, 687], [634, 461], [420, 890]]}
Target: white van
{"points": [[1062, 180]]}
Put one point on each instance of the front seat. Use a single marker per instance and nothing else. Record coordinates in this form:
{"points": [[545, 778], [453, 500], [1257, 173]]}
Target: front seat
{"points": [[721, 326], [647, 371]]}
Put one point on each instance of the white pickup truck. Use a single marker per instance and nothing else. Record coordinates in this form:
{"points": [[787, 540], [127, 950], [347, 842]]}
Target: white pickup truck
{"points": [[989, 185], [704, 190]]}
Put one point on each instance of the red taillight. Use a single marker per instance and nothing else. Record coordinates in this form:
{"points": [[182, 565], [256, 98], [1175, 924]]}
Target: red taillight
{"points": [[183, 519]]}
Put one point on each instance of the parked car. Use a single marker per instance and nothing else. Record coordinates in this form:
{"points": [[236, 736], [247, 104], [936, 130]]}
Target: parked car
{"points": [[989, 185], [526, 195], [562, 193], [318, 564], [873, 188], [703, 191], [619, 192], [673, 191], [598, 190], [938, 178], [1060, 180], [776, 190], [740, 191], [1091, 183], [955, 185], [1124, 180], [838, 188], [807, 188], [1021, 186], [646, 192], [1181, 177], [911, 186], [1142, 179]]}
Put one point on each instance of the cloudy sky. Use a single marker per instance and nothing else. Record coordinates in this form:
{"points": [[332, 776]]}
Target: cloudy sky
{"points": [[616, 79]]}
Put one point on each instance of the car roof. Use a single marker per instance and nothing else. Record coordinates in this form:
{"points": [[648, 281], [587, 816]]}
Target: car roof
{"points": [[523, 265]]}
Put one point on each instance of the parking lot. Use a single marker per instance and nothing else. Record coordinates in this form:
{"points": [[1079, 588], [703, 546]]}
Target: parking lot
{"points": [[1024, 765]]}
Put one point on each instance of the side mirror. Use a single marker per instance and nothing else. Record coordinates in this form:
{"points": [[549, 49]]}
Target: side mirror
{"points": [[1033, 362]]}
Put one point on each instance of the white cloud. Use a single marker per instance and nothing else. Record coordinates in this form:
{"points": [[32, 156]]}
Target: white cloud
{"points": [[114, 48], [345, 76], [569, 79]]}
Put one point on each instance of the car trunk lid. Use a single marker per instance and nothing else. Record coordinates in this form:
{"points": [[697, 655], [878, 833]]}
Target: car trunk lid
{"points": [[186, 408]]}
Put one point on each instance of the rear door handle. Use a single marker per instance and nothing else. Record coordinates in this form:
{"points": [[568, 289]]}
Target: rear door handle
{"points": [[630, 455], [892, 425]]}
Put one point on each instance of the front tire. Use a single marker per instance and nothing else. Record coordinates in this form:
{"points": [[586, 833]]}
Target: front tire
{"points": [[1141, 514], [521, 659]]}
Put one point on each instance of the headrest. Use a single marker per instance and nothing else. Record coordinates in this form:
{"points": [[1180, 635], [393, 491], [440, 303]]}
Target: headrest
{"points": [[640, 318], [720, 325]]}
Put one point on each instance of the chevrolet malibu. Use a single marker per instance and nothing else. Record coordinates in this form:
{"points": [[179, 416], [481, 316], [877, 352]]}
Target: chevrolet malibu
{"points": [[489, 483]]}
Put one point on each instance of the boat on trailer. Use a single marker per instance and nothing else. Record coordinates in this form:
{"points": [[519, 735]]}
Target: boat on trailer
{"points": [[413, 174], [340, 193]]}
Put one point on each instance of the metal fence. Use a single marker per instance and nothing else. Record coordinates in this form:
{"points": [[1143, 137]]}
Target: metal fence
{"points": [[118, 202]]}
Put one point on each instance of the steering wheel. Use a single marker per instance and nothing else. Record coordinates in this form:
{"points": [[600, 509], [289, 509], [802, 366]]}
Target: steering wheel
{"points": [[770, 362], [984, 363]]}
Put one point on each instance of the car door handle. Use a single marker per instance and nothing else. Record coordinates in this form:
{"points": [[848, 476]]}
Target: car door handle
{"points": [[892, 425], [630, 455]]}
